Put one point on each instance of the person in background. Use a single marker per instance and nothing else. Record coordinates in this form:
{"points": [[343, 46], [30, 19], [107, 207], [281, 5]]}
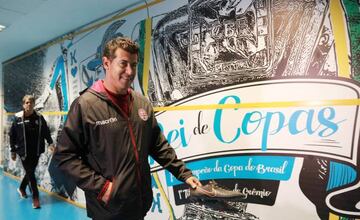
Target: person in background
{"points": [[27, 139], [109, 133]]}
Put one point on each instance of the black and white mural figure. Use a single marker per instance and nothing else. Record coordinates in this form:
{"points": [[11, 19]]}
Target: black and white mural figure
{"points": [[95, 64], [209, 44]]}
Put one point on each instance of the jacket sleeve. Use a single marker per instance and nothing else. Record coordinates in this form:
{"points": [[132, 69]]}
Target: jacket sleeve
{"points": [[70, 152], [12, 134], [165, 155], [46, 131]]}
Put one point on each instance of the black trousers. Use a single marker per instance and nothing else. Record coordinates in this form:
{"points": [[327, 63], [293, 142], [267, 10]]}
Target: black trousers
{"points": [[29, 164]]}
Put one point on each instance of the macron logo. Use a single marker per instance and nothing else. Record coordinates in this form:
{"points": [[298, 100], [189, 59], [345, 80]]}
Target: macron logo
{"points": [[107, 121]]}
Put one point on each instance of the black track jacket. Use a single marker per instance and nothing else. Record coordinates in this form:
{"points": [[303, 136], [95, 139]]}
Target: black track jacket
{"points": [[99, 144], [18, 135]]}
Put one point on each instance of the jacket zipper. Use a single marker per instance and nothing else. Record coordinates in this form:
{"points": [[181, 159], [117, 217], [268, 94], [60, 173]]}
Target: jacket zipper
{"points": [[23, 123], [38, 144], [133, 141], [137, 163], [135, 151], [132, 136]]}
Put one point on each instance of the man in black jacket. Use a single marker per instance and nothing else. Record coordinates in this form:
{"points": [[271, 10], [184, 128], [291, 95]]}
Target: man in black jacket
{"points": [[27, 139], [109, 133]]}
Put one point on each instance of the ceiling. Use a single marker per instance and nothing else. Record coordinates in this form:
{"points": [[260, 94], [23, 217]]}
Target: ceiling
{"points": [[31, 23]]}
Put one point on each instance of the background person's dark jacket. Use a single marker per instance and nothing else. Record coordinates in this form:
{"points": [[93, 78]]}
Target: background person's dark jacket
{"points": [[97, 145], [18, 136]]}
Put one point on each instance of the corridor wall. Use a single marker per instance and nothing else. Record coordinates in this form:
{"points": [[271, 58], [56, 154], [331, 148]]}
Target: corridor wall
{"points": [[259, 96], [1, 117]]}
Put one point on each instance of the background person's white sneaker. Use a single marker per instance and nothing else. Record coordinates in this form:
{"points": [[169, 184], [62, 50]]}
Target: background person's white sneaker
{"points": [[22, 193]]}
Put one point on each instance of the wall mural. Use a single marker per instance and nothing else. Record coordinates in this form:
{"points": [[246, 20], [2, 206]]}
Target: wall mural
{"points": [[263, 97]]}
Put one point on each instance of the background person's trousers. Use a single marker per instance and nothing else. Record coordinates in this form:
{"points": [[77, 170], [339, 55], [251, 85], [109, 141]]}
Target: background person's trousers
{"points": [[29, 164]]}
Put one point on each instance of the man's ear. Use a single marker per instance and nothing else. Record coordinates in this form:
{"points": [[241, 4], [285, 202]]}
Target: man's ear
{"points": [[106, 63]]}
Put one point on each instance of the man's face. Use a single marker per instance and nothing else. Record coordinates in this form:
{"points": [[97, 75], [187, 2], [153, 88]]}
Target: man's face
{"points": [[120, 71], [28, 105]]}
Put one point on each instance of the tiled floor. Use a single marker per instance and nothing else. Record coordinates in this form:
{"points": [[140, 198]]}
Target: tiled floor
{"points": [[13, 207]]}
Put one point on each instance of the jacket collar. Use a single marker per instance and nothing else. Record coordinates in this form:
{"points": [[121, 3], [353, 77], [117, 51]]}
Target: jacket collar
{"points": [[21, 113], [99, 89]]}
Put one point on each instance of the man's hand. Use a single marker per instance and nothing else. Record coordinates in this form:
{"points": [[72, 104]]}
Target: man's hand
{"points": [[193, 182], [51, 148], [13, 156]]}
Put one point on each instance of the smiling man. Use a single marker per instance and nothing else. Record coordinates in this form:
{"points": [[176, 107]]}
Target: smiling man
{"points": [[109, 133]]}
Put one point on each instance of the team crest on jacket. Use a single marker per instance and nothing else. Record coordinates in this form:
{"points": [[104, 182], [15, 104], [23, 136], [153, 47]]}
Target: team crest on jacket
{"points": [[143, 115]]}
